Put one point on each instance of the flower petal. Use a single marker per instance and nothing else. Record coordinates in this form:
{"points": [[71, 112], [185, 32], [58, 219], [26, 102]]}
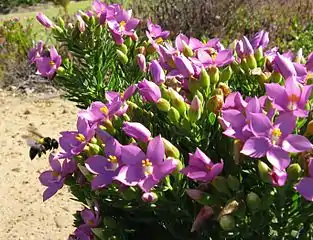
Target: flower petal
{"points": [[296, 143], [256, 147], [155, 151], [132, 154], [164, 169], [50, 191], [55, 163], [305, 188], [194, 173], [260, 124], [148, 183], [278, 158], [96, 164], [130, 175], [103, 180]]}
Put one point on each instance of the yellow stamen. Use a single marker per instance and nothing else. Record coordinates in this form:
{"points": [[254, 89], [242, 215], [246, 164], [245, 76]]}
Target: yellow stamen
{"points": [[104, 110], [172, 63], [114, 163], [208, 167], [51, 63], [112, 159], [80, 137], [159, 40], [55, 174], [122, 95], [276, 133], [90, 222], [122, 25], [147, 167]]}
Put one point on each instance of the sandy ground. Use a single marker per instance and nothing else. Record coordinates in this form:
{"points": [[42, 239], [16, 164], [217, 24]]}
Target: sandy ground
{"points": [[23, 215]]}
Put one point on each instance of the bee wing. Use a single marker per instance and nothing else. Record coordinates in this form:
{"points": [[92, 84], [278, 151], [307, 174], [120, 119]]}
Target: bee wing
{"points": [[34, 131], [31, 142]]}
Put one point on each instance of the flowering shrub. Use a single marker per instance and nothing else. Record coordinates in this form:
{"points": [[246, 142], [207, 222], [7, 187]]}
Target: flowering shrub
{"points": [[15, 40], [184, 139]]}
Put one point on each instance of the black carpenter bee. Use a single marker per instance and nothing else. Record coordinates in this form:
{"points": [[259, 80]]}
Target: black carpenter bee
{"points": [[41, 145]]}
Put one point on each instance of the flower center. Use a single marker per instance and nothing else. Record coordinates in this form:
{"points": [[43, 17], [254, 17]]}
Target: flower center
{"points": [[114, 163], [122, 25], [209, 167], [171, 63], [276, 133], [80, 137], [90, 223], [104, 110], [293, 102], [159, 40], [51, 63], [55, 174], [212, 52], [147, 167]]}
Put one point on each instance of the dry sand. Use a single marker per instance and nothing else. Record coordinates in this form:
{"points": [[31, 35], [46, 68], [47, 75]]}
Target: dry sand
{"points": [[23, 215]]}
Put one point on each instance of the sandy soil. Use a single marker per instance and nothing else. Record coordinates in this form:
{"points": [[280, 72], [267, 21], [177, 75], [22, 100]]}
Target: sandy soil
{"points": [[23, 214]]}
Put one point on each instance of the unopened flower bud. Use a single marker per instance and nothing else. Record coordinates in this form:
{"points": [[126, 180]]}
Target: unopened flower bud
{"points": [[226, 90], [93, 140], [193, 85], [57, 30], [170, 149], [294, 172], [233, 183], [164, 92], [94, 148], [215, 103], [109, 126], [149, 197], [264, 171], [227, 222], [123, 48], [204, 79], [275, 77], [141, 50], [195, 194], [98, 30], [121, 56], [187, 51], [173, 115], [263, 78], [194, 113], [259, 54], [309, 129], [163, 105], [253, 201], [251, 62], [61, 22], [141, 62], [205, 213], [226, 74], [92, 21], [128, 42], [220, 183], [237, 148], [61, 71], [214, 74], [177, 101]]}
